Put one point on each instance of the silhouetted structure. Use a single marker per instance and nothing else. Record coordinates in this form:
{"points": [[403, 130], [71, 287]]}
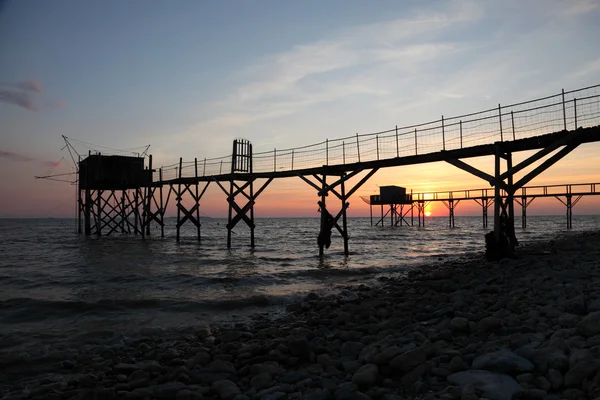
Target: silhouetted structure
{"points": [[498, 132]]}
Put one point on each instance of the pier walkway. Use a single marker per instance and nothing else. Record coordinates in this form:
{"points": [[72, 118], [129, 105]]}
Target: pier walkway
{"points": [[552, 126]]}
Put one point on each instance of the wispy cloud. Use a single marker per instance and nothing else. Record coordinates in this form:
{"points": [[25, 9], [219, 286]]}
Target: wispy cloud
{"points": [[578, 7], [12, 156], [20, 93], [354, 62], [587, 69]]}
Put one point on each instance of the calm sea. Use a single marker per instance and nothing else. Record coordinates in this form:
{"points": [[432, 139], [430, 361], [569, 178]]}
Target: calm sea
{"points": [[56, 286]]}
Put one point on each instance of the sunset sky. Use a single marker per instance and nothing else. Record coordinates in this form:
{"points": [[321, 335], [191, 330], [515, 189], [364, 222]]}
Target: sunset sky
{"points": [[188, 77]]}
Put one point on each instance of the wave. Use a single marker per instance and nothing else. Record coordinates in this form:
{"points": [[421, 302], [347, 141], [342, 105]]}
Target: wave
{"points": [[20, 310]]}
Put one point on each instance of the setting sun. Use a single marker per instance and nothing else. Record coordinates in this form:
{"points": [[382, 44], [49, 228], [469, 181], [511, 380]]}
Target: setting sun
{"points": [[428, 213]]}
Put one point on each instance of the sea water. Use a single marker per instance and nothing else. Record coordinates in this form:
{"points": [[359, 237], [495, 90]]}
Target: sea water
{"points": [[59, 287]]}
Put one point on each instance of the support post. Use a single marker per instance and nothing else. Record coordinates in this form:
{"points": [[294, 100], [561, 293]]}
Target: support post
{"points": [[162, 210], [443, 135], [344, 219], [416, 152], [99, 205], [196, 199], [564, 110], [569, 212], [500, 120], [324, 215], [179, 200], [397, 143]]}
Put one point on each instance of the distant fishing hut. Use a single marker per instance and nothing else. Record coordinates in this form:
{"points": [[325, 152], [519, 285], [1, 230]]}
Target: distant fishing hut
{"points": [[396, 198]]}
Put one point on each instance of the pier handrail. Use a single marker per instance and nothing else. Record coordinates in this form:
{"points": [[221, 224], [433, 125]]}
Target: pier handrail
{"points": [[563, 111], [526, 191]]}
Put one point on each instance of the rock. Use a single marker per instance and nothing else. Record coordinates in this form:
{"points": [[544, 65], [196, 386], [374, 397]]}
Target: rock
{"points": [[386, 355], [226, 389], [494, 386], [534, 394], [489, 324], [261, 381], [459, 324], [274, 396], [351, 349], [294, 376], [542, 383], [222, 366], [409, 359], [229, 336], [503, 361], [578, 355], [167, 390], [299, 347], [457, 364], [201, 358], [568, 320], [580, 371], [576, 305], [594, 306], [555, 378], [549, 358], [590, 324], [366, 376]]}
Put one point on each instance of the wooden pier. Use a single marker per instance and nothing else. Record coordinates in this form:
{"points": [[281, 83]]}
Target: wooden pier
{"points": [[568, 194], [552, 126]]}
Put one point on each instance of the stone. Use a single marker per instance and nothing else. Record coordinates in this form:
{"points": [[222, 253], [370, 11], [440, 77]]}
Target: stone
{"points": [[503, 361], [459, 324], [578, 355], [555, 378], [542, 383], [549, 358], [351, 349], [489, 324], [568, 320], [222, 366], [594, 306], [590, 324], [261, 381], [299, 347], [386, 355], [409, 359], [366, 376], [229, 336], [274, 396], [494, 386], [201, 358], [226, 389], [576, 305], [457, 364], [581, 371]]}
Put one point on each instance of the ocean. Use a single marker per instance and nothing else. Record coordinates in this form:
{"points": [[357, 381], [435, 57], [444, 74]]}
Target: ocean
{"points": [[60, 289]]}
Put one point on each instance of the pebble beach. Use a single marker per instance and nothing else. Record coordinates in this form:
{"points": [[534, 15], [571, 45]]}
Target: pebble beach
{"points": [[522, 328]]}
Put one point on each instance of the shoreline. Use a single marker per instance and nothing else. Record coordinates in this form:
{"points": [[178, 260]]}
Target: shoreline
{"points": [[529, 323]]}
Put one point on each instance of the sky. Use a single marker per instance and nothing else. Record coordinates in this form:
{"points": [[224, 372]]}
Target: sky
{"points": [[188, 77]]}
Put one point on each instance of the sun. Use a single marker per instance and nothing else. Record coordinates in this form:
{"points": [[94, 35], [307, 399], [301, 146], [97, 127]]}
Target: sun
{"points": [[428, 213]]}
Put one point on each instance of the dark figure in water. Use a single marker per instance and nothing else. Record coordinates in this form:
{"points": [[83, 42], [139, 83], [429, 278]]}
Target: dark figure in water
{"points": [[327, 221]]}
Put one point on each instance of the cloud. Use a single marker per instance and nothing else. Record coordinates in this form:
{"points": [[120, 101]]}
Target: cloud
{"points": [[19, 93], [12, 156], [32, 86], [343, 65], [17, 98]]}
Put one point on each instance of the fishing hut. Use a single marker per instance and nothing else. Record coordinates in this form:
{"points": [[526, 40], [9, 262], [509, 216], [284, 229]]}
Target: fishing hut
{"points": [[113, 194], [396, 199]]}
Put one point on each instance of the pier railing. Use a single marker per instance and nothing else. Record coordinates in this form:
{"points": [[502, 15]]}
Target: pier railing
{"points": [[526, 191], [566, 110]]}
